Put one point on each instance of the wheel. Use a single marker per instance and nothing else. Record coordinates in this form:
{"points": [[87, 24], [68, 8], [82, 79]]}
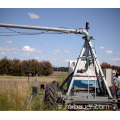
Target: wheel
{"points": [[56, 83], [50, 94]]}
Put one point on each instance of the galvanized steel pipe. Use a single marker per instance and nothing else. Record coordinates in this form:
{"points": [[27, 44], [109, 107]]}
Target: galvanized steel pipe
{"points": [[64, 30]]}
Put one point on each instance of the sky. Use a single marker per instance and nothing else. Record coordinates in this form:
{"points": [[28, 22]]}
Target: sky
{"points": [[60, 48]]}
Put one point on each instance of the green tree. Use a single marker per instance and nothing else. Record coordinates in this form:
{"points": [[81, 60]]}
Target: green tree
{"points": [[105, 65], [5, 65], [47, 68], [17, 69]]}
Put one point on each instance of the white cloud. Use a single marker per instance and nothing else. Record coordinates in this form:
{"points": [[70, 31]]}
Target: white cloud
{"points": [[25, 54], [109, 52], [55, 52], [37, 58], [24, 48], [33, 15], [66, 52], [2, 53], [6, 41], [12, 53], [115, 61], [9, 42], [15, 48], [4, 49], [101, 47], [28, 49]]}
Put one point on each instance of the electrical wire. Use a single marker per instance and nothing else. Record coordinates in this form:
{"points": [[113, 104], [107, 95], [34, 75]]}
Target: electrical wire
{"points": [[28, 33], [6, 32], [31, 34], [12, 30]]}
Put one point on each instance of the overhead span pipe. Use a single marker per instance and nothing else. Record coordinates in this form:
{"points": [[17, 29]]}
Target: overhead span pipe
{"points": [[63, 30]]}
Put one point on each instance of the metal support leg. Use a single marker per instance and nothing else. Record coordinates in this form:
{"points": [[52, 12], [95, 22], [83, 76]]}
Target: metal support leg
{"points": [[95, 88], [98, 65], [76, 67]]}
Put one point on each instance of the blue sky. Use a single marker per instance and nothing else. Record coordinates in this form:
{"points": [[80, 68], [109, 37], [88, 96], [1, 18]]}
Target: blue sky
{"points": [[60, 48]]}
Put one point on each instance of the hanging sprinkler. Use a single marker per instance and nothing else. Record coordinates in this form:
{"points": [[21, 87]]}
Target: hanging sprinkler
{"points": [[87, 26]]}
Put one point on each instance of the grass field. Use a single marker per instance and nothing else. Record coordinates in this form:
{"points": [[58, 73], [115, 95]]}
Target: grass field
{"points": [[15, 91]]}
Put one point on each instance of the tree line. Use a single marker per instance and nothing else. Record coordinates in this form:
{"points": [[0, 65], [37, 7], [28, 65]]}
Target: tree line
{"points": [[62, 69], [17, 67], [105, 65]]}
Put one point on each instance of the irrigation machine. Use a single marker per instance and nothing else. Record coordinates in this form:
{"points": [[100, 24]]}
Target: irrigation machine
{"points": [[87, 69]]}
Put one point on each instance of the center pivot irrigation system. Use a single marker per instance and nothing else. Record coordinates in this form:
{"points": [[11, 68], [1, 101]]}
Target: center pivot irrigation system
{"points": [[99, 93]]}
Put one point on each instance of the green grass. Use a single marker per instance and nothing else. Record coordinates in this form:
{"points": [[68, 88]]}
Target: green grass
{"points": [[4, 103], [62, 77], [37, 103], [14, 93]]}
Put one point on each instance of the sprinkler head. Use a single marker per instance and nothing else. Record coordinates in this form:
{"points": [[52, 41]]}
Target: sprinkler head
{"points": [[87, 26]]}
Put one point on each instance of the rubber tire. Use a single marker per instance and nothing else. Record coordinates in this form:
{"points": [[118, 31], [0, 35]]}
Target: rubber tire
{"points": [[56, 83], [50, 94]]}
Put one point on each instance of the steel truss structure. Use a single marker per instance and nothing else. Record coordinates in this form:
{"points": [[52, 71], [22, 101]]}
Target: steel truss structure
{"points": [[88, 56]]}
